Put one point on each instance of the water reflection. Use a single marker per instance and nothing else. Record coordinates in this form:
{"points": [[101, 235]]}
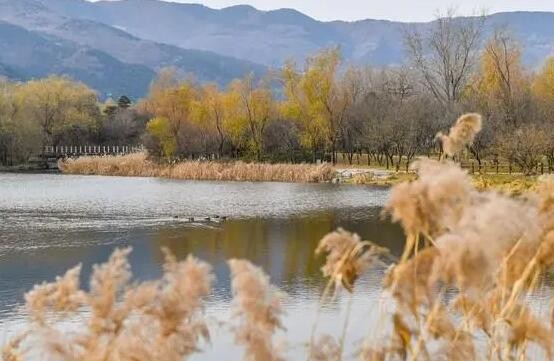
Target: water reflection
{"points": [[283, 247], [51, 223]]}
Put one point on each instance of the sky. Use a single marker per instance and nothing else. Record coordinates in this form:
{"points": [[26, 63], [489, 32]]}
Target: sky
{"points": [[399, 10]]}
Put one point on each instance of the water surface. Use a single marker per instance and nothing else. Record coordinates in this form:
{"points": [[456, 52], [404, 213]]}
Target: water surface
{"points": [[49, 223]]}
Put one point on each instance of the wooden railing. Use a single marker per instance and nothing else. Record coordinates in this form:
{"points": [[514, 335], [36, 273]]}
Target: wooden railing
{"points": [[490, 167], [61, 151]]}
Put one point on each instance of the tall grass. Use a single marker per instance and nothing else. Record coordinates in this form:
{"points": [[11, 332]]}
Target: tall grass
{"points": [[139, 165], [460, 290]]}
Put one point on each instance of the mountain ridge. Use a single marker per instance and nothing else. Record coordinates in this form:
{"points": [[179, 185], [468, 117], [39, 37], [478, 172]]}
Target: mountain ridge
{"points": [[28, 55], [115, 46], [270, 37], [218, 45]]}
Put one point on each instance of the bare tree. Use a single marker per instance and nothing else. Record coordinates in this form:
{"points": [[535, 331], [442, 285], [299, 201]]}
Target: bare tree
{"points": [[525, 147], [550, 146], [445, 55], [504, 75]]}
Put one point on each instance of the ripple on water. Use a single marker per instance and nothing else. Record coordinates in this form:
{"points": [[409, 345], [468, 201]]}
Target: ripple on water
{"points": [[49, 223]]}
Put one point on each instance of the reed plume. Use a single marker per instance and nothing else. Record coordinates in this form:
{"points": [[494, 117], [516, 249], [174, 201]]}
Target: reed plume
{"points": [[491, 248], [10, 351], [461, 134], [326, 348], [61, 296], [258, 308], [112, 328], [432, 204], [347, 257]]}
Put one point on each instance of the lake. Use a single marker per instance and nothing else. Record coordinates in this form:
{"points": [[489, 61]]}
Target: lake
{"points": [[49, 223]]}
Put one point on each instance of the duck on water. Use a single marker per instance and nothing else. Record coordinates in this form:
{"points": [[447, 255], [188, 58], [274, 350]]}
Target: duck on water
{"points": [[215, 219]]}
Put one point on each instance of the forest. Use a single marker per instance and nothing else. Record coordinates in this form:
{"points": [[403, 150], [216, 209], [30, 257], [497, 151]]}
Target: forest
{"points": [[313, 111]]}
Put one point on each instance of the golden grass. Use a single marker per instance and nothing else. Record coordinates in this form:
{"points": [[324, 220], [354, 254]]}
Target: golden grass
{"points": [[514, 184], [138, 165], [389, 180], [131, 165]]}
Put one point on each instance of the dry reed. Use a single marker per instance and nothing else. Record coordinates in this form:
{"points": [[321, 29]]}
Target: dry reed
{"points": [[461, 134], [492, 249], [130, 165], [326, 348], [347, 257], [138, 164], [113, 326], [259, 310]]}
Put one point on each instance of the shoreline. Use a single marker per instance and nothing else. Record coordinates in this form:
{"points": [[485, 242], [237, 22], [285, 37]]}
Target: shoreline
{"points": [[139, 165], [28, 170]]}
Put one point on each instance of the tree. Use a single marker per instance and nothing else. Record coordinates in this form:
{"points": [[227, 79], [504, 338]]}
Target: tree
{"points": [[281, 140], [159, 129], [171, 98], [525, 147], [543, 91], [19, 136], [124, 102], [543, 83], [123, 127], [445, 55], [109, 108], [66, 111], [502, 81], [209, 113], [317, 99], [300, 105], [250, 107], [352, 89], [549, 151]]}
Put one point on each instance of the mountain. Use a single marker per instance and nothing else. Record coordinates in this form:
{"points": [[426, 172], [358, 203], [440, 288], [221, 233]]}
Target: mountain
{"points": [[125, 42], [270, 37], [238, 31], [26, 55], [109, 46]]}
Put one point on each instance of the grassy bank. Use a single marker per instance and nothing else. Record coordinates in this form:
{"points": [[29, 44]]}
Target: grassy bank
{"points": [[138, 165], [514, 184]]}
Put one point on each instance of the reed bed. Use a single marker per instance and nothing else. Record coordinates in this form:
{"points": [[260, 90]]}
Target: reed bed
{"points": [[460, 291], [130, 165], [138, 164]]}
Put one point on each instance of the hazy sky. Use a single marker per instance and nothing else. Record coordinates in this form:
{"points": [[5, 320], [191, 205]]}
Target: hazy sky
{"points": [[404, 10]]}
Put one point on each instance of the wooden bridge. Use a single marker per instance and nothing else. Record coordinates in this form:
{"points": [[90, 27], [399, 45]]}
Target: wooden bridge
{"points": [[50, 155], [65, 151]]}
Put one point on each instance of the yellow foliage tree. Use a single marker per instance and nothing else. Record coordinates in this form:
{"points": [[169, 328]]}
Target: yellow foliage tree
{"points": [[209, 113], [543, 83], [20, 136], [317, 99], [501, 81], [171, 99], [160, 130], [249, 108], [58, 104]]}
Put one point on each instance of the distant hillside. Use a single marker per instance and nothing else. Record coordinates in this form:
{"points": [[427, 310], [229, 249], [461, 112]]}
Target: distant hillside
{"points": [[85, 42], [270, 37], [127, 41], [25, 55]]}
